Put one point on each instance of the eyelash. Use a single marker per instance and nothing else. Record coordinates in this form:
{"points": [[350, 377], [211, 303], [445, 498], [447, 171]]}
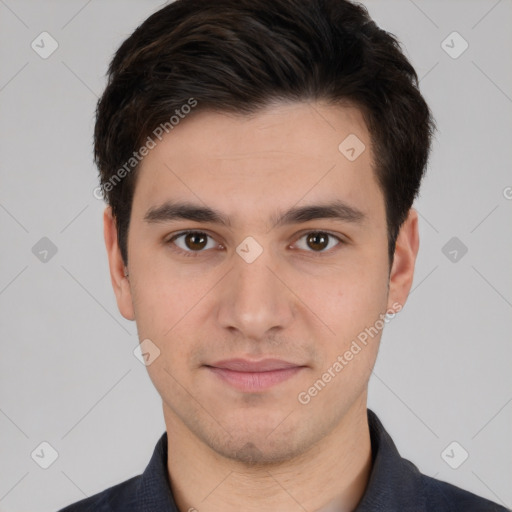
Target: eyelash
{"points": [[195, 254]]}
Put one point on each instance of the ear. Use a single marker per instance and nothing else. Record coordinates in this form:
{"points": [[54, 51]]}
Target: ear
{"points": [[120, 282], [402, 270]]}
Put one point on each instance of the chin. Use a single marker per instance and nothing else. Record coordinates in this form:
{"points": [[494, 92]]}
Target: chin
{"points": [[263, 448], [258, 454]]}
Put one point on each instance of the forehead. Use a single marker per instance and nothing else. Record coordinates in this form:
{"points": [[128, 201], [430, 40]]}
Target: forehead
{"points": [[282, 130], [281, 155]]}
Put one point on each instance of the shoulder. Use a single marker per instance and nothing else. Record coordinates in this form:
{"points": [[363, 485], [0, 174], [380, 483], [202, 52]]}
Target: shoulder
{"points": [[444, 497], [120, 495], [149, 490], [397, 484]]}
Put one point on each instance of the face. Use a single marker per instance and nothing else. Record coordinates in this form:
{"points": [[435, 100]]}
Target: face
{"points": [[257, 258]]}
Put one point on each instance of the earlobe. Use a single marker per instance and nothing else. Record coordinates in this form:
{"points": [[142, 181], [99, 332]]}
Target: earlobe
{"points": [[118, 271], [402, 270]]}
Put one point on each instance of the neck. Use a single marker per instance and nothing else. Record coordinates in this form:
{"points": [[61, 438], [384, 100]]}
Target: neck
{"points": [[330, 476]]}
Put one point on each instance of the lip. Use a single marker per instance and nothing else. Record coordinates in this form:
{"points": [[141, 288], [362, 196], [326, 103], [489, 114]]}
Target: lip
{"points": [[254, 376], [246, 365]]}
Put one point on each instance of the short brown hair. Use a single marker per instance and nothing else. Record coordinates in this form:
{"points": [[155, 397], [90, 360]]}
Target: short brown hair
{"points": [[238, 56]]}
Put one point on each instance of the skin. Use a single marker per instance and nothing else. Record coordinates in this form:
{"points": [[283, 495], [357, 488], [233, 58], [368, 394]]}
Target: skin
{"points": [[235, 450]]}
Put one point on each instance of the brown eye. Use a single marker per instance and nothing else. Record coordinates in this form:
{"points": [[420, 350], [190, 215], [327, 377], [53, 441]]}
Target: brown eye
{"points": [[317, 241], [190, 242], [196, 241]]}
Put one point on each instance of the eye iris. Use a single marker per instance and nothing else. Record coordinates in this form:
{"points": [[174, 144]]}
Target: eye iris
{"points": [[196, 241], [318, 241]]}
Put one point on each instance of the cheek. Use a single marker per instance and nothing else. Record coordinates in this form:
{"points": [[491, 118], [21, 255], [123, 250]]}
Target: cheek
{"points": [[353, 312], [162, 293], [171, 310], [351, 298]]}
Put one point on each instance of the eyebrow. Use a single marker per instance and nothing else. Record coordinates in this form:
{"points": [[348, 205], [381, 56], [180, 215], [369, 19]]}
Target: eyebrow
{"points": [[338, 210]]}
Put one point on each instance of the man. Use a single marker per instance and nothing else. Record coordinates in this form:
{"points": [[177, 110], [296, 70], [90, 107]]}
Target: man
{"points": [[260, 160]]}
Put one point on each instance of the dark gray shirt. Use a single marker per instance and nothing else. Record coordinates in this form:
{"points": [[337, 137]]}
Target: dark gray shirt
{"points": [[395, 485]]}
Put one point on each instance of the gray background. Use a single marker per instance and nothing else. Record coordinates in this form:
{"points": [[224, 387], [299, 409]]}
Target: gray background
{"points": [[67, 369]]}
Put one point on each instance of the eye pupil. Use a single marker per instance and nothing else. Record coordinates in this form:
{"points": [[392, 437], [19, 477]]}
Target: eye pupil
{"points": [[318, 241], [196, 241]]}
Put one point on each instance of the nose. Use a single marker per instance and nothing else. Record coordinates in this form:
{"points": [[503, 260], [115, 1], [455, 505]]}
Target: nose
{"points": [[255, 302]]}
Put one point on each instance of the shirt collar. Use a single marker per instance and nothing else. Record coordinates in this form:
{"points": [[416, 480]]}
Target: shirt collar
{"points": [[153, 492], [389, 472]]}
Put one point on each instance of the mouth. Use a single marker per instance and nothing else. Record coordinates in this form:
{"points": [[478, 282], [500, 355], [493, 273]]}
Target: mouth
{"points": [[254, 376]]}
